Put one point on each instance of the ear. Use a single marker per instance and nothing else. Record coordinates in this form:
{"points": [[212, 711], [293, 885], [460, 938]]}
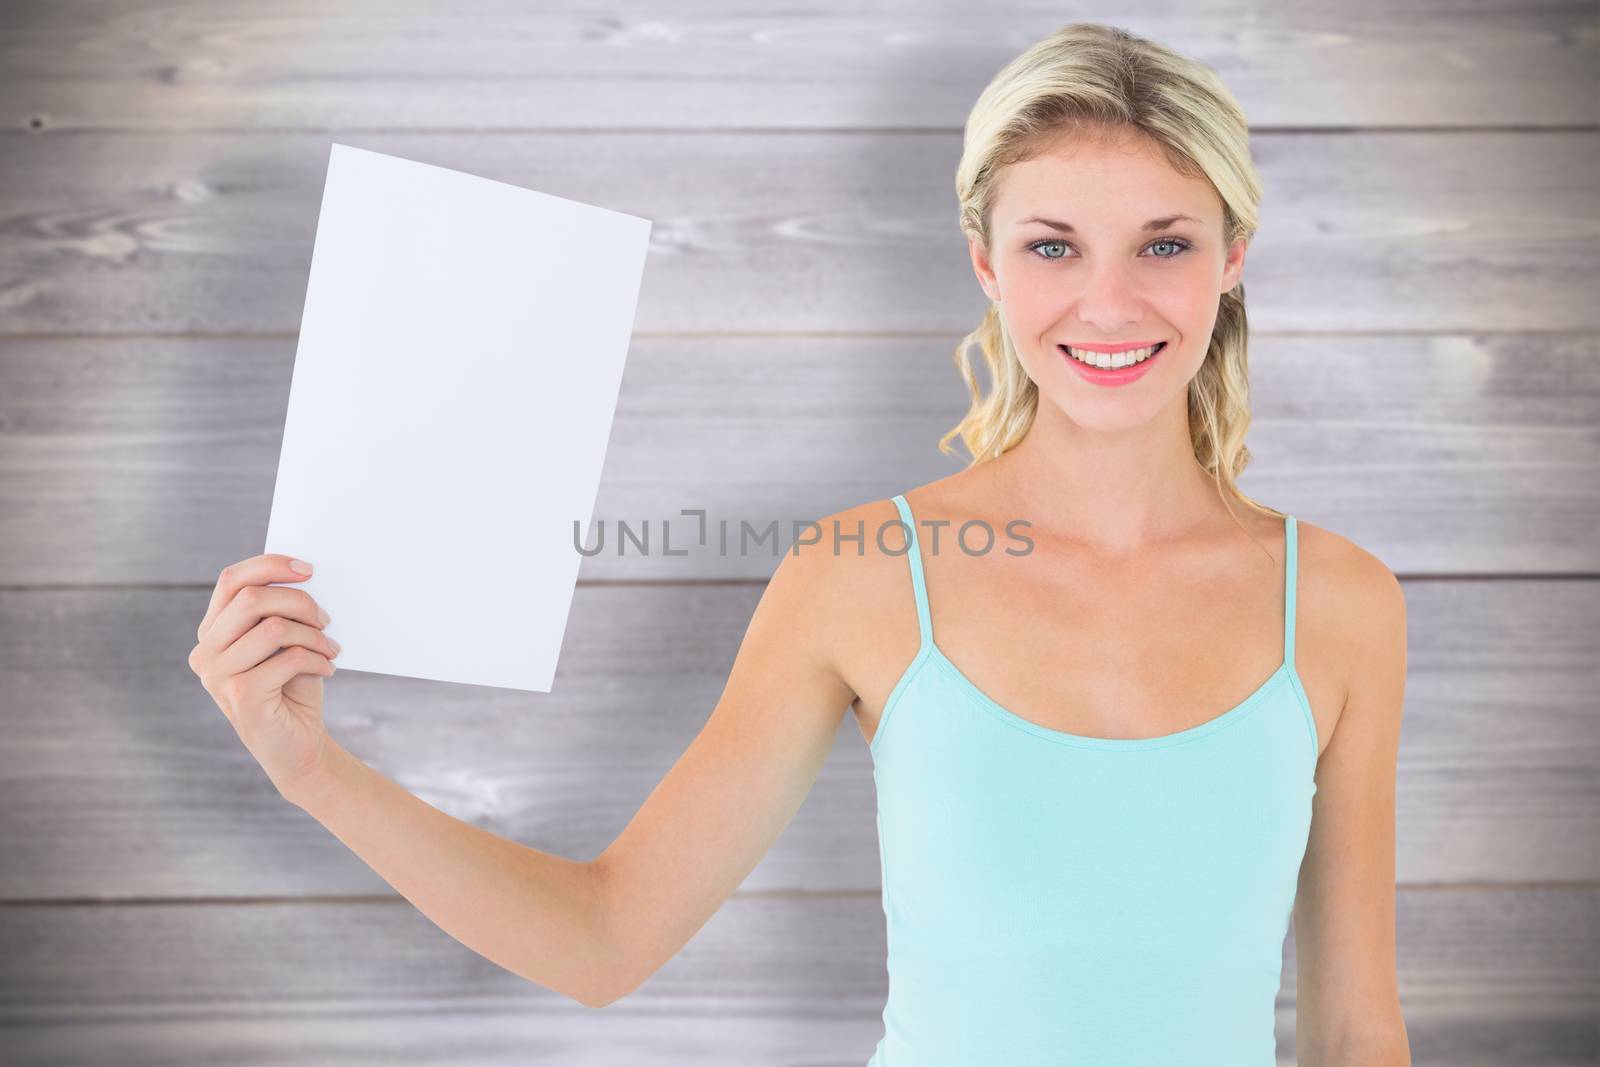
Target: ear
{"points": [[1233, 266], [983, 268]]}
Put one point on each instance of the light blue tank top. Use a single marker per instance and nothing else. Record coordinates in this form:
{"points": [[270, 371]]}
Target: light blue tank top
{"points": [[1056, 899]]}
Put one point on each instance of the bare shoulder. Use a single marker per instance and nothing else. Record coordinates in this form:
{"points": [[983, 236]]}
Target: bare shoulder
{"points": [[860, 576], [1346, 580], [1351, 606], [854, 576], [847, 558], [859, 579]]}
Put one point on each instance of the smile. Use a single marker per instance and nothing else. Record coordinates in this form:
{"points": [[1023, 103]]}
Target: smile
{"points": [[1112, 360]]}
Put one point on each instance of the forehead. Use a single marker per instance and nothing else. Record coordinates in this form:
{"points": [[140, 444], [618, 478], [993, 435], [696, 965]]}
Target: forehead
{"points": [[1113, 182]]}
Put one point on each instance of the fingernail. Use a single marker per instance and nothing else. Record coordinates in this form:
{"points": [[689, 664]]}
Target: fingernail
{"points": [[300, 566], [322, 615], [336, 646]]}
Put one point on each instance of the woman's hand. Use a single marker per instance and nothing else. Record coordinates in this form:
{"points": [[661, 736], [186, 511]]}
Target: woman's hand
{"points": [[262, 656]]}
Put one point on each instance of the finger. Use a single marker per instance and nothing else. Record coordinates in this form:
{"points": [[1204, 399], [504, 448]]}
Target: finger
{"points": [[275, 672], [250, 606], [272, 636], [257, 570]]}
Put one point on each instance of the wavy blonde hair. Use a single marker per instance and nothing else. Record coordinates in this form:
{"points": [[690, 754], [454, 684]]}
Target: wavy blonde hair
{"points": [[1092, 80]]}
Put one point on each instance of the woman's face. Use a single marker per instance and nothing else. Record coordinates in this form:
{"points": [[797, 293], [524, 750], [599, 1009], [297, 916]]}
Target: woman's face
{"points": [[1123, 268]]}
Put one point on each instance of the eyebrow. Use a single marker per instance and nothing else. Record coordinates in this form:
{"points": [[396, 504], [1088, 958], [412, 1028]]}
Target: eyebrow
{"points": [[1153, 224]]}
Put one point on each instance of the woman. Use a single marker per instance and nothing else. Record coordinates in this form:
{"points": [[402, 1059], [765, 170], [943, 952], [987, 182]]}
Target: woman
{"points": [[1084, 860]]}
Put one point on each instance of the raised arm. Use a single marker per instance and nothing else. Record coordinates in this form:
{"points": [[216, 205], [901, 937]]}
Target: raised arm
{"points": [[590, 930]]}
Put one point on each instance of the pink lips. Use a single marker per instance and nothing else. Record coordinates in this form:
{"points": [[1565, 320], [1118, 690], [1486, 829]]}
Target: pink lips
{"points": [[1117, 375]]}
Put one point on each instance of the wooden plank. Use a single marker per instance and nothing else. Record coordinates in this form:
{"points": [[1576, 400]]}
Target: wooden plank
{"points": [[120, 778], [151, 460], [1487, 977], [450, 1037], [797, 232], [203, 64]]}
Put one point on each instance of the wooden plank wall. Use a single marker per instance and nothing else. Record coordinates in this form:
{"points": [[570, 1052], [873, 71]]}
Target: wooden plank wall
{"points": [[1426, 380]]}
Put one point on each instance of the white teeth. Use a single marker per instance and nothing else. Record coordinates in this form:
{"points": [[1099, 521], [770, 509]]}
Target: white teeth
{"points": [[1112, 360]]}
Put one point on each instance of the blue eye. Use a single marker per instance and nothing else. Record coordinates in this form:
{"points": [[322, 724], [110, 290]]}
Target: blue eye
{"points": [[1179, 243]]}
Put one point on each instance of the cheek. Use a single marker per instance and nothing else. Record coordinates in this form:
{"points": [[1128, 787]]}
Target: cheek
{"points": [[1034, 292], [1184, 289], [1188, 307]]}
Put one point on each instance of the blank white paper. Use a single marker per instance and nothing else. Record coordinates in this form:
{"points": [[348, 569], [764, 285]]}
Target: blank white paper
{"points": [[460, 355]]}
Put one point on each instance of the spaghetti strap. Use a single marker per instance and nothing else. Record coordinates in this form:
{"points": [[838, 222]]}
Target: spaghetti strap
{"points": [[1291, 538], [914, 553]]}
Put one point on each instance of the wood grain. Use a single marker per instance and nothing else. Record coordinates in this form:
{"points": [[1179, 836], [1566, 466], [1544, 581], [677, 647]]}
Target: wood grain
{"points": [[120, 778], [1424, 381], [810, 232], [138, 460], [1487, 974]]}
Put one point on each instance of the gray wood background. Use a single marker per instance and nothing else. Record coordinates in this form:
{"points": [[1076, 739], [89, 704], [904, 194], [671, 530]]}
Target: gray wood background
{"points": [[1426, 380]]}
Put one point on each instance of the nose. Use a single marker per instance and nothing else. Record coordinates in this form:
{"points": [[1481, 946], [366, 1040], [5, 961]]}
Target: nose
{"points": [[1109, 301]]}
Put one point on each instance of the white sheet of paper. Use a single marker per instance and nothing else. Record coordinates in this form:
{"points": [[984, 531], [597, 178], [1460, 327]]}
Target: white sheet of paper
{"points": [[460, 356]]}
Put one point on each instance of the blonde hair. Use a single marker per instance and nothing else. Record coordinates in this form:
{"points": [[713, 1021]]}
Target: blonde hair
{"points": [[1092, 80]]}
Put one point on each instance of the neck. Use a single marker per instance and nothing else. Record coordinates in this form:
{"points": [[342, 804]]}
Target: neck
{"points": [[1114, 490]]}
